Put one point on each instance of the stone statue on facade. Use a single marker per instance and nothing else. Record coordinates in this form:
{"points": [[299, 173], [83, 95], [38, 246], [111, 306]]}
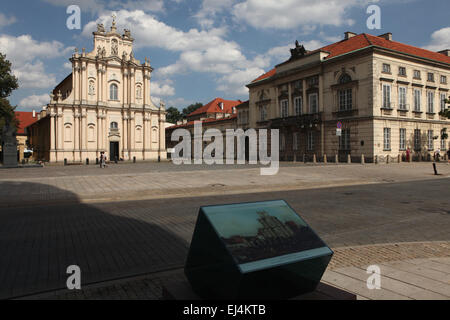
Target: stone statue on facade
{"points": [[298, 51], [127, 33], [101, 28], [114, 48]]}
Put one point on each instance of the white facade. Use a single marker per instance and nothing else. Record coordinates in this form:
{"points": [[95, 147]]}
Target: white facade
{"points": [[105, 105]]}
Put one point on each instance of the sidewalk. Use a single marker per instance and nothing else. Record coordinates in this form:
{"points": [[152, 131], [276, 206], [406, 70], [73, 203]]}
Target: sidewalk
{"points": [[426, 276], [148, 183]]}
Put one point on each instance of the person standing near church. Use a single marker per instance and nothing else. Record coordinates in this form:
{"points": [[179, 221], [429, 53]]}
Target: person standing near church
{"points": [[101, 159]]}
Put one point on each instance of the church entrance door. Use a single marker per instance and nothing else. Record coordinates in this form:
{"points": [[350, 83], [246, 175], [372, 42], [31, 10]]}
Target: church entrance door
{"points": [[113, 151]]}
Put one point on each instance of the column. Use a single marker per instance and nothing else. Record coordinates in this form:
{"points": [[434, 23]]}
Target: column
{"points": [[321, 109], [305, 98], [125, 88], [133, 131], [99, 132], [76, 136], [83, 134], [52, 137], [291, 104], [162, 136], [146, 88], [125, 136], [133, 87], [76, 83], [83, 82], [105, 84], [99, 85], [144, 134]]}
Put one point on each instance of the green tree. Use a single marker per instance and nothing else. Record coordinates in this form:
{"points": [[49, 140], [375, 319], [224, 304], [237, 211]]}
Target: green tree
{"points": [[446, 112], [8, 83], [191, 108], [173, 115]]}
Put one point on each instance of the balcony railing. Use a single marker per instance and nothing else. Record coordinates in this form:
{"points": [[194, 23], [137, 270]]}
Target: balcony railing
{"points": [[302, 121]]}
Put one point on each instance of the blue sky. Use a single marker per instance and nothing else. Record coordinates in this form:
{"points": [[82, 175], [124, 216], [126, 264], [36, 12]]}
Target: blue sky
{"points": [[200, 49]]}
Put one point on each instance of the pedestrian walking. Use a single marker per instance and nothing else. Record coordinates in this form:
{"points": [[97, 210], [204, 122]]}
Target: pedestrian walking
{"points": [[101, 159]]}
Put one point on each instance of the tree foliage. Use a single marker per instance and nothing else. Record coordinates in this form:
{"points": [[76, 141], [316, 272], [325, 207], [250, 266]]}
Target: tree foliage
{"points": [[446, 112], [191, 108], [173, 115], [8, 83]]}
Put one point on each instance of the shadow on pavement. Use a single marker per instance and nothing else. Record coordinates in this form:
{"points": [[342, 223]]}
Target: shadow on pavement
{"points": [[38, 243]]}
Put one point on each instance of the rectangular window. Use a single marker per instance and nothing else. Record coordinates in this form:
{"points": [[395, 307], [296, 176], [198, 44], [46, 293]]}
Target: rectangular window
{"points": [[417, 99], [295, 141], [402, 71], [298, 102], [313, 103], [430, 140], [263, 113], [282, 142], [443, 97], [417, 74], [284, 104], [443, 144], [386, 68], [387, 139], [430, 77], [444, 79], [345, 99], [310, 141], [298, 84], [430, 98], [344, 140], [402, 144], [386, 96], [417, 140], [402, 98]]}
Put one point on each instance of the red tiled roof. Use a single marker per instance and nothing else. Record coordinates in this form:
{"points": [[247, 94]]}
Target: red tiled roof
{"points": [[25, 119], [365, 40], [266, 75], [213, 107], [208, 120]]}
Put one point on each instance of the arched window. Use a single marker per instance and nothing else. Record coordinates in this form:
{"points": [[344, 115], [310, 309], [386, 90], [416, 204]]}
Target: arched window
{"points": [[114, 92], [114, 126], [345, 78]]}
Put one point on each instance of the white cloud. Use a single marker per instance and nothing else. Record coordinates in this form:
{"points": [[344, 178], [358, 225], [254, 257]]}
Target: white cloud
{"points": [[210, 10], [33, 75], [67, 66], [34, 101], [26, 55], [287, 14], [164, 90], [24, 48], [99, 6], [6, 21], [440, 40]]}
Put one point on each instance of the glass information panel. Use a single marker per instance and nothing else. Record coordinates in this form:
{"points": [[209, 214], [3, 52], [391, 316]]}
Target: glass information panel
{"points": [[264, 234]]}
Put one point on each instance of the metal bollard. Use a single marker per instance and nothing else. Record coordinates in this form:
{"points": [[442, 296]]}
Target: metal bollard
{"points": [[134, 159], [87, 161], [65, 161]]}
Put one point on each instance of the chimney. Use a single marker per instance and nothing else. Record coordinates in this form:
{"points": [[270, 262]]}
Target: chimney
{"points": [[34, 113], [349, 35], [445, 52], [387, 36]]}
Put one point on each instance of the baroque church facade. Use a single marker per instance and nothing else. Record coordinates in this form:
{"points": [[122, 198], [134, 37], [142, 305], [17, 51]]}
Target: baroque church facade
{"points": [[104, 105]]}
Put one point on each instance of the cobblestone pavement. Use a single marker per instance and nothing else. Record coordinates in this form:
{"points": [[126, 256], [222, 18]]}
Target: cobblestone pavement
{"points": [[409, 271], [123, 239], [149, 181]]}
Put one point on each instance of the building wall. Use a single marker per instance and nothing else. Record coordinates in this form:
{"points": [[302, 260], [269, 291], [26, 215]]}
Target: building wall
{"points": [[366, 120], [107, 86]]}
